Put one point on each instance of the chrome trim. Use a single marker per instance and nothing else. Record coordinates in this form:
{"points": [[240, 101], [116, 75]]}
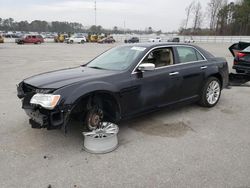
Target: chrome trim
{"points": [[165, 46]]}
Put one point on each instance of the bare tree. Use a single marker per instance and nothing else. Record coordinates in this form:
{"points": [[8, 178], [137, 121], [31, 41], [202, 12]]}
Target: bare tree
{"points": [[214, 7], [197, 15], [188, 10]]}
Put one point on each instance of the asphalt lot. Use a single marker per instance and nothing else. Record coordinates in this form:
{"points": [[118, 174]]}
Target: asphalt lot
{"points": [[188, 146]]}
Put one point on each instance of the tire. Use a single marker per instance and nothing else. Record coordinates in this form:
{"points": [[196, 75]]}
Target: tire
{"points": [[71, 42], [82, 41], [210, 93]]}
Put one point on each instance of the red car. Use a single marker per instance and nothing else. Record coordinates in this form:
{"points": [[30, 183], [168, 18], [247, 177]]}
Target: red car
{"points": [[34, 39]]}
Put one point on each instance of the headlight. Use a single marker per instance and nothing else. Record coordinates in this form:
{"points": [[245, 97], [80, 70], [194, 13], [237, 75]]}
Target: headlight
{"points": [[47, 101]]}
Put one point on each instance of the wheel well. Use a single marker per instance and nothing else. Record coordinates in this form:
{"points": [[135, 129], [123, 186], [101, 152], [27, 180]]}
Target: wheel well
{"points": [[106, 100], [217, 75]]}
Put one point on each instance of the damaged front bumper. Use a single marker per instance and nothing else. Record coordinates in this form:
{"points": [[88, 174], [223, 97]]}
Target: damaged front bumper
{"points": [[39, 116]]}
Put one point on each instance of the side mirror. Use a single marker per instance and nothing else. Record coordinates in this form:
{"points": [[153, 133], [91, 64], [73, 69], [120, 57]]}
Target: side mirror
{"points": [[146, 67]]}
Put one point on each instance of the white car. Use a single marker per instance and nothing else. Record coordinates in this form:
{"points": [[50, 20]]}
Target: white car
{"points": [[76, 39], [190, 40], [157, 39]]}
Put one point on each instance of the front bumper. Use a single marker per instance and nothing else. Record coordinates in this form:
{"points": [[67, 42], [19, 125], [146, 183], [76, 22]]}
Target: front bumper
{"points": [[40, 118]]}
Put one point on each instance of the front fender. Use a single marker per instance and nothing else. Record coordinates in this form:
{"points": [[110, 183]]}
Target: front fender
{"points": [[72, 93]]}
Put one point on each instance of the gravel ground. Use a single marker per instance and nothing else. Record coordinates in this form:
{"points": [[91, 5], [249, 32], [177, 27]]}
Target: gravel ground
{"points": [[186, 146]]}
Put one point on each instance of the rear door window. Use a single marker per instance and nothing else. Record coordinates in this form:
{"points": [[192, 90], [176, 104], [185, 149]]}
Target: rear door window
{"points": [[188, 54]]}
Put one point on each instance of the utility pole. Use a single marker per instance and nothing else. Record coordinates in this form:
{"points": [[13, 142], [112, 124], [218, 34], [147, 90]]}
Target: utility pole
{"points": [[95, 13], [124, 27]]}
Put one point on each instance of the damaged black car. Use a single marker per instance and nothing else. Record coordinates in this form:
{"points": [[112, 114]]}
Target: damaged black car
{"points": [[241, 53], [124, 82]]}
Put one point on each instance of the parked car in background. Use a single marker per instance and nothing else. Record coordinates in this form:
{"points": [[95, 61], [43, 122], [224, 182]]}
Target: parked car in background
{"points": [[30, 39], [76, 39], [175, 39], [109, 39], [94, 38], [11, 35], [124, 82], [189, 40], [132, 40], [1, 39], [157, 39], [60, 38], [241, 53]]}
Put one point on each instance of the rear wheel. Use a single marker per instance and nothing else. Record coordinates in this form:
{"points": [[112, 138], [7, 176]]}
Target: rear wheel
{"points": [[82, 41], [210, 93], [71, 42]]}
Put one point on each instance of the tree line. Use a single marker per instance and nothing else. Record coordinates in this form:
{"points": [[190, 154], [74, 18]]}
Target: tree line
{"points": [[10, 24], [221, 18], [39, 26]]}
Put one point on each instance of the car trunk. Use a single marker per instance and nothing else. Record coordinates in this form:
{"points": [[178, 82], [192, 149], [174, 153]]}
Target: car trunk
{"points": [[237, 47]]}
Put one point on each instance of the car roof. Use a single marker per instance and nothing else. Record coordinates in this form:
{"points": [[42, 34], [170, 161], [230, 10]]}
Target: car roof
{"points": [[150, 45], [158, 44]]}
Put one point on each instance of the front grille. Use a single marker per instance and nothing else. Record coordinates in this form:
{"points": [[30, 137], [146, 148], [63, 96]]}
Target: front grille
{"points": [[28, 88]]}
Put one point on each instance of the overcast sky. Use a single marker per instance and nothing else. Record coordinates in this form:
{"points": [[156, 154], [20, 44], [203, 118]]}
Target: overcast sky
{"points": [[137, 14]]}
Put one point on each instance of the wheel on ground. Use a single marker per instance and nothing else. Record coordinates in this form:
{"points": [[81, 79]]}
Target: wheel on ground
{"points": [[82, 41], [94, 117], [210, 93], [71, 42]]}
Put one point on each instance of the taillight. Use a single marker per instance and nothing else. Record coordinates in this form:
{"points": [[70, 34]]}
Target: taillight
{"points": [[241, 55]]}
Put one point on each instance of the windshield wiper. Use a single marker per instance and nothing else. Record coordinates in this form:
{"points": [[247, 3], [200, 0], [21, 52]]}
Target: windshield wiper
{"points": [[95, 67]]}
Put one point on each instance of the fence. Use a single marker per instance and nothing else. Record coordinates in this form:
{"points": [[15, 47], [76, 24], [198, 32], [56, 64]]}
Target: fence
{"points": [[165, 38], [198, 39]]}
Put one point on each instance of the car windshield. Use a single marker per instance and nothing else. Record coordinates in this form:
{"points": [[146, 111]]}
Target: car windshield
{"points": [[119, 58]]}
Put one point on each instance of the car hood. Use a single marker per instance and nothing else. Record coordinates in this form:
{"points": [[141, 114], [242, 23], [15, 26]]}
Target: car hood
{"points": [[60, 78]]}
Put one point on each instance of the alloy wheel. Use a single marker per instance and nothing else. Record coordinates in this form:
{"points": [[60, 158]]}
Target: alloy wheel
{"points": [[213, 92]]}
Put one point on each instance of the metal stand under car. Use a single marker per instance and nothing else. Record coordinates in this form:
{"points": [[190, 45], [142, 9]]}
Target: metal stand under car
{"points": [[101, 140]]}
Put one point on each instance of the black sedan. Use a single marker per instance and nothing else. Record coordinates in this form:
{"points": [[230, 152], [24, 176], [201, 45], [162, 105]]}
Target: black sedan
{"points": [[124, 82], [176, 39], [241, 53], [132, 40]]}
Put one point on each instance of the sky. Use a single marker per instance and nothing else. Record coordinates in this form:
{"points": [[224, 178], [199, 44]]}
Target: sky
{"points": [[167, 15]]}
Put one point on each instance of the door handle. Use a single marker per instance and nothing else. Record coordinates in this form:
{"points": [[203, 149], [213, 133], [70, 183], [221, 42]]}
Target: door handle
{"points": [[173, 73], [203, 67]]}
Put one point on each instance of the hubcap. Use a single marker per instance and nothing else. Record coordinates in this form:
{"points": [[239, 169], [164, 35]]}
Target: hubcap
{"points": [[213, 92]]}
